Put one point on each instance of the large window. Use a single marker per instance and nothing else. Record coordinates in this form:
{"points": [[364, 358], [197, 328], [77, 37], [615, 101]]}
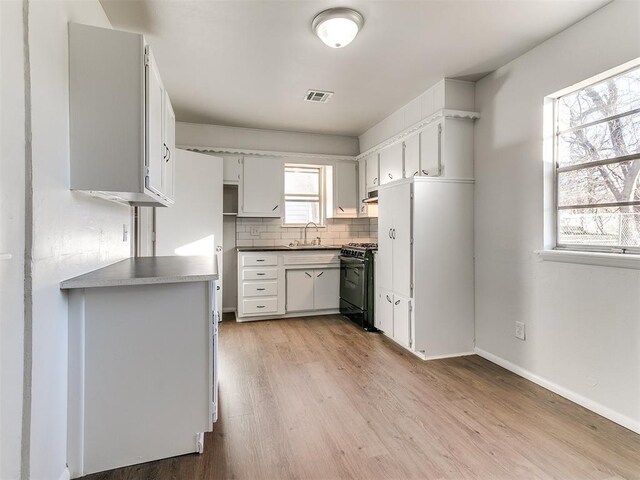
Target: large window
{"points": [[303, 195], [597, 153]]}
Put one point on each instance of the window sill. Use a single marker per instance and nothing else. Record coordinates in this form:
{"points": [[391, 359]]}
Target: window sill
{"points": [[618, 260]]}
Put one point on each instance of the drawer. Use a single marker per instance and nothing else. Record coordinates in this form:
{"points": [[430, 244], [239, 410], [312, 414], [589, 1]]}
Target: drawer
{"points": [[260, 274], [258, 260], [259, 289], [260, 305]]}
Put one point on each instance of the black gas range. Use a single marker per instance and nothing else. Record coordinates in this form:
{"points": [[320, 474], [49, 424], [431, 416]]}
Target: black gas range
{"points": [[357, 283]]}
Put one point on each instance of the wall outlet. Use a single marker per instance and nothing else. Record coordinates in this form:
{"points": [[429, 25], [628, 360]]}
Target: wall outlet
{"points": [[255, 231], [520, 330]]}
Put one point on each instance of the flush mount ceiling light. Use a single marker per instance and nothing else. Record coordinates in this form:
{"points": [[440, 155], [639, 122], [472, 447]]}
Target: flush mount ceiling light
{"points": [[337, 27]]}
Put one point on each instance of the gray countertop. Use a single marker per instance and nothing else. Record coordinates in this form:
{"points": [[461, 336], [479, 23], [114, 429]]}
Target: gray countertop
{"points": [[146, 271], [285, 248]]}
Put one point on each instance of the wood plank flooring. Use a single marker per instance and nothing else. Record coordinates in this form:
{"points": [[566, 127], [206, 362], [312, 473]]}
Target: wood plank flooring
{"points": [[318, 398]]}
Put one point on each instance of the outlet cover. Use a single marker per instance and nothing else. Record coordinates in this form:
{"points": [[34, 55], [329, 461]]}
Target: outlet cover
{"points": [[255, 231], [520, 330]]}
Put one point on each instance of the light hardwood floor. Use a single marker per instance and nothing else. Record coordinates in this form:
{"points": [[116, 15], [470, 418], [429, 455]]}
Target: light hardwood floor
{"points": [[319, 398]]}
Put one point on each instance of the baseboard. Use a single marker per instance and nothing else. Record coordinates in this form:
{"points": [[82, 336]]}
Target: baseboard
{"points": [[229, 310], [448, 355], [65, 475], [585, 402], [313, 313]]}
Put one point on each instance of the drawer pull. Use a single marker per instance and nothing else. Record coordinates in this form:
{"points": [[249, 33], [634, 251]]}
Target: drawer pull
{"points": [[260, 289], [260, 306], [259, 259], [261, 274]]}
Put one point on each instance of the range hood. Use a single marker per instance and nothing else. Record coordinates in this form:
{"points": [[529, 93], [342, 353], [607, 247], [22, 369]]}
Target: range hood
{"points": [[371, 198]]}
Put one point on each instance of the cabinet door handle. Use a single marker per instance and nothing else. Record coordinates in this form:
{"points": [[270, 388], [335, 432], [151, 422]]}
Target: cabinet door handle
{"points": [[341, 209], [168, 155], [417, 172], [320, 274], [260, 289], [307, 274], [397, 302], [388, 299], [424, 172], [274, 208], [394, 233], [375, 181], [391, 176], [390, 234]]}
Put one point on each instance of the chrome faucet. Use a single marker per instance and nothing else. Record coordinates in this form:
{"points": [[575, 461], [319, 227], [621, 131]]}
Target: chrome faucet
{"points": [[305, 230]]}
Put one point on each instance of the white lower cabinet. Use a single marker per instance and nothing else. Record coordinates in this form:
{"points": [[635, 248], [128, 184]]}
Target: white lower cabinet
{"points": [[393, 316], [299, 290], [275, 284], [317, 289], [326, 289]]}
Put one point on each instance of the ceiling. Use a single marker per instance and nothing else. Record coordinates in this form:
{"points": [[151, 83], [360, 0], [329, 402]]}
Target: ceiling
{"points": [[250, 63]]}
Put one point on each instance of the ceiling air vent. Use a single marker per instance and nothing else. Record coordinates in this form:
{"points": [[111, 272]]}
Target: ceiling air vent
{"points": [[317, 96]]}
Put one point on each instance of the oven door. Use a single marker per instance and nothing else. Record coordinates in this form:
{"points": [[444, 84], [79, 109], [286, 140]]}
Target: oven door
{"points": [[353, 281]]}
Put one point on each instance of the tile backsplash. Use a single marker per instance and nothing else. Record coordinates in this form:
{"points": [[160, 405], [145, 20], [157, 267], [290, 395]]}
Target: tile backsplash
{"points": [[269, 232]]}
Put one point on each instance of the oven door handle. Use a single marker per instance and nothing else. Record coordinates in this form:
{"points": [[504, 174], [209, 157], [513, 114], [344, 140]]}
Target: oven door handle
{"points": [[352, 260]]}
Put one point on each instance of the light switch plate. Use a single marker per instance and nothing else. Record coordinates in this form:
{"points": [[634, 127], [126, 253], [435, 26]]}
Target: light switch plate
{"points": [[255, 231], [520, 330]]}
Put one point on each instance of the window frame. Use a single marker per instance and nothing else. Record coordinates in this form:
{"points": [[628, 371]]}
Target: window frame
{"points": [[572, 247], [321, 194]]}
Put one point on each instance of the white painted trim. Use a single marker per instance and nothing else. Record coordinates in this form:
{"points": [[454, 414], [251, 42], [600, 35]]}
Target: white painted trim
{"points": [[397, 138], [229, 310], [266, 153], [65, 475], [449, 355], [619, 260], [311, 313], [587, 403]]}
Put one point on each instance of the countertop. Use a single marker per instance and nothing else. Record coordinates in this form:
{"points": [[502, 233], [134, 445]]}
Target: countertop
{"points": [[147, 271], [284, 248]]}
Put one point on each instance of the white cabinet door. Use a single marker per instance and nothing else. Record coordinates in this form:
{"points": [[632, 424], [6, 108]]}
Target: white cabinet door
{"points": [[430, 143], [345, 190], [384, 311], [391, 163], [402, 320], [384, 277], [299, 290], [373, 169], [362, 187], [412, 156], [169, 164], [262, 187], [400, 205], [326, 289], [232, 170], [154, 141]]}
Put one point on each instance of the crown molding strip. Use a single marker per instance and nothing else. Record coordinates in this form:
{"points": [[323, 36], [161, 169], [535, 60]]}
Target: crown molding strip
{"points": [[444, 113], [265, 153]]}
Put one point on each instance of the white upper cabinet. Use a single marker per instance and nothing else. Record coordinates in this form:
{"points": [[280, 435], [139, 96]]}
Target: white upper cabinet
{"points": [[232, 170], [430, 154], [391, 163], [412, 156], [169, 149], [122, 127], [262, 187], [345, 192], [372, 172]]}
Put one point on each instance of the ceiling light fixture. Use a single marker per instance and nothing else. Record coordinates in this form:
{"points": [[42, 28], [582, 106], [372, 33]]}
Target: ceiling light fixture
{"points": [[337, 27]]}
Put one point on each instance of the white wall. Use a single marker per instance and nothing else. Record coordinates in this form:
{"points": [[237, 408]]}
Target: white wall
{"points": [[199, 135], [583, 322], [72, 232], [447, 93], [12, 164]]}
